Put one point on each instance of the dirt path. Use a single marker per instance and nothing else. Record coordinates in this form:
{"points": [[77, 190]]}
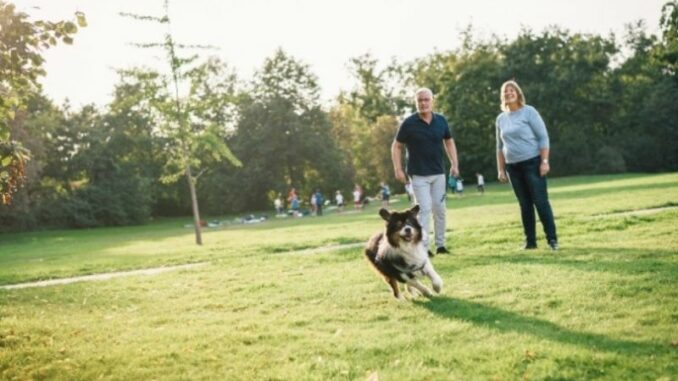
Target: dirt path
{"points": [[153, 271], [103, 276]]}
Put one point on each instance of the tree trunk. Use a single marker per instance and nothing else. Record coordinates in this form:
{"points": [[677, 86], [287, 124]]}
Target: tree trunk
{"points": [[194, 203]]}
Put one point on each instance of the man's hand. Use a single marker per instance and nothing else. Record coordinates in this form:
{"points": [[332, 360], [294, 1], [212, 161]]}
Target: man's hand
{"points": [[400, 176], [502, 177], [454, 171]]}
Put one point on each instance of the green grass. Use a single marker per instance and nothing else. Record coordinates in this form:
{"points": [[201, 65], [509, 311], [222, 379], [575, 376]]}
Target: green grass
{"points": [[605, 307]]}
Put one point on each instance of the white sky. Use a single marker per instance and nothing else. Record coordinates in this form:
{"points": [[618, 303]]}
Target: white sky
{"points": [[324, 34]]}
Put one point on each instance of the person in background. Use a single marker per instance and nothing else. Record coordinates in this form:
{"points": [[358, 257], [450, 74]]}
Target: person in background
{"points": [[459, 188], [291, 195], [314, 204], [385, 194], [339, 198], [523, 154], [481, 183], [319, 201], [426, 135], [278, 204], [357, 196], [294, 206]]}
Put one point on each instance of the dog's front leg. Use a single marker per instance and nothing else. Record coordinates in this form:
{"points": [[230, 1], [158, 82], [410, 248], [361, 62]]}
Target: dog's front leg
{"points": [[414, 282], [413, 291], [431, 273], [394, 287]]}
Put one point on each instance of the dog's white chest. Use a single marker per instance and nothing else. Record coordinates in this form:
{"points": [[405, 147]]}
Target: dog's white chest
{"points": [[413, 257]]}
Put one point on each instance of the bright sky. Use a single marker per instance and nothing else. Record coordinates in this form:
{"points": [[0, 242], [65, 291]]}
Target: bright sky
{"points": [[322, 33]]}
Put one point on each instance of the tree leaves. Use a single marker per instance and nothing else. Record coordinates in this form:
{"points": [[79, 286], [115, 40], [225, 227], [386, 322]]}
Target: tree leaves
{"points": [[82, 21], [21, 42]]}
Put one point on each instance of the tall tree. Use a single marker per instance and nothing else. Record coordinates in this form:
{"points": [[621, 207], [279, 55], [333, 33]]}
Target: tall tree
{"points": [[192, 124], [377, 92], [283, 135]]}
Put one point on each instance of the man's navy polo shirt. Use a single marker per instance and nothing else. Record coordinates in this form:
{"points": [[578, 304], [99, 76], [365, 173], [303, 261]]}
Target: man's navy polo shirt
{"points": [[424, 144]]}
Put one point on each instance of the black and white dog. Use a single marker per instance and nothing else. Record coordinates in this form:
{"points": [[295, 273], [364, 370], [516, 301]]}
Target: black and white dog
{"points": [[399, 255]]}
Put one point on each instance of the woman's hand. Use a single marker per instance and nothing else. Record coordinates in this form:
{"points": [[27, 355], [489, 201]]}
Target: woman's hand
{"points": [[544, 168]]}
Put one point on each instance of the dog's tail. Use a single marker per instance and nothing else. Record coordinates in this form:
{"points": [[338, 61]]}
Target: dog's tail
{"points": [[372, 247]]}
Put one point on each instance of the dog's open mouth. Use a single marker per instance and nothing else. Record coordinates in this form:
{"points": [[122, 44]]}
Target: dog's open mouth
{"points": [[406, 236]]}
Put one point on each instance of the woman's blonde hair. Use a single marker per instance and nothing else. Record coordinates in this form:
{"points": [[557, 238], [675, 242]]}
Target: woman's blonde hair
{"points": [[521, 96]]}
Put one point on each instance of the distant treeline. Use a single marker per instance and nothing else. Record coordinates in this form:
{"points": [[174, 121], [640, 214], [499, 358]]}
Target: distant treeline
{"points": [[610, 105]]}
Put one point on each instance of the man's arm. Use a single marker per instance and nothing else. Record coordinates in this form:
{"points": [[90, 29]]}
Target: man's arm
{"points": [[451, 150], [397, 158]]}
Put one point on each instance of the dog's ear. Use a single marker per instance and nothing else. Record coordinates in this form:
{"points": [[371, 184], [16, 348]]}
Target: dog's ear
{"points": [[415, 210], [384, 214]]}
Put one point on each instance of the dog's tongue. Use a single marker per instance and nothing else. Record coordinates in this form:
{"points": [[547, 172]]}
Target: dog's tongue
{"points": [[406, 237]]}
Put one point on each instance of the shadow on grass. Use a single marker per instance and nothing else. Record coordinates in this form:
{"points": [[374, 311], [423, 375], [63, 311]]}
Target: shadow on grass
{"points": [[507, 321]]}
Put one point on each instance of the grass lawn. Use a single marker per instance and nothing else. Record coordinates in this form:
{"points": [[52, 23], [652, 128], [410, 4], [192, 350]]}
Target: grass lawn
{"points": [[605, 307]]}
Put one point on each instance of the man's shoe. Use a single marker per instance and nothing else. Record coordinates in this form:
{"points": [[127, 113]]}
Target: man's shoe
{"points": [[442, 250], [530, 246], [554, 245]]}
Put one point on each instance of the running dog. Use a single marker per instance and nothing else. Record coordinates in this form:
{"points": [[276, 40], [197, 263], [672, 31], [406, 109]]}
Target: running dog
{"points": [[398, 253]]}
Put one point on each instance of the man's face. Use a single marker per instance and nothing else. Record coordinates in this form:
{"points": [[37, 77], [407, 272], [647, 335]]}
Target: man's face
{"points": [[424, 102]]}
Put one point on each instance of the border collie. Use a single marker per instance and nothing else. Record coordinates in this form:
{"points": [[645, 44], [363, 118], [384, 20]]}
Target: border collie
{"points": [[399, 255]]}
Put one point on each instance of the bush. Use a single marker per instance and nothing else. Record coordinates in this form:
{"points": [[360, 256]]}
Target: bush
{"points": [[609, 160]]}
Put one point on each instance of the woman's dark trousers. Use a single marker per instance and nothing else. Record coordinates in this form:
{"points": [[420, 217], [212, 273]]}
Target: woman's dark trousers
{"points": [[531, 190]]}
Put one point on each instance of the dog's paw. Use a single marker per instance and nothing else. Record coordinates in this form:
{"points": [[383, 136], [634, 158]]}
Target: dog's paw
{"points": [[437, 287]]}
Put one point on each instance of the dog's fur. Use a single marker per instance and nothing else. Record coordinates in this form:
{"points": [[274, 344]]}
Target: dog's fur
{"points": [[399, 255]]}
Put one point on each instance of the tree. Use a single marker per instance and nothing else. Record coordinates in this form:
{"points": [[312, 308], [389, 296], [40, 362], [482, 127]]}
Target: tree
{"points": [[668, 51], [364, 120], [193, 125], [378, 92], [21, 45], [645, 116], [283, 135]]}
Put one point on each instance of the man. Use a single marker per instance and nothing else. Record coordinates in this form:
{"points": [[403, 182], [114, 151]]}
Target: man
{"points": [[385, 194], [424, 134], [481, 183]]}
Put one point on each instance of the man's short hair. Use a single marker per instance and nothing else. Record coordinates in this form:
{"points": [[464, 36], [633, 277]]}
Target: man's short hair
{"points": [[423, 90]]}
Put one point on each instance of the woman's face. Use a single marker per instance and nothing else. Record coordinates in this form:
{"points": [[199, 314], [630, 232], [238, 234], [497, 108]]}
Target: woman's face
{"points": [[510, 94]]}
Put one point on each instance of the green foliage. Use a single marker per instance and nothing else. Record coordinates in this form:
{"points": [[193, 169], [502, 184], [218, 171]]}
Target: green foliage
{"points": [[608, 105], [21, 44], [668, 51], [609, 160], [376, 93], [116, 201], [283, 137], [364, 121], [600, 117]]}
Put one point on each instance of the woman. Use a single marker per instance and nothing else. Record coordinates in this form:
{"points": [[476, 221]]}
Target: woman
{"points": [[523, 153]]}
